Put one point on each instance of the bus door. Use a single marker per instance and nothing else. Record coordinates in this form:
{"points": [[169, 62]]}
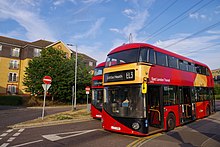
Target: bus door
{"points": [[185, 104], [154, 108]]}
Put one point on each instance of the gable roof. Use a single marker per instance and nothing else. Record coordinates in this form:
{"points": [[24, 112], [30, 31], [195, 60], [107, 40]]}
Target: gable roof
{"points": [[12, 41], [42, 43]]}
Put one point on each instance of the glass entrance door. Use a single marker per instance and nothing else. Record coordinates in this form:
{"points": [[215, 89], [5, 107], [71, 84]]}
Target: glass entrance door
{"points": [[154, 108]]}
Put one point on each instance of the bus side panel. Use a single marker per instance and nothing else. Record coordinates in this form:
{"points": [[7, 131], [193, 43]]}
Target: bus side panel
{"points": [[111, 124], [95, 113], [201, 109], [171, 109]]}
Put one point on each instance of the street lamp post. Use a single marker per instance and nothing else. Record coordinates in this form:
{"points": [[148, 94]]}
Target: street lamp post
{"points": [[74, 107]]}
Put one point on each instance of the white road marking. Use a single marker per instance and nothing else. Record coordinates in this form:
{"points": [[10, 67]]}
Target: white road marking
{"points": [[9, 131], [27, 143], [55, 137], [21, 130], [4, 134], [10, 139], [16, 134], [4, 144]]}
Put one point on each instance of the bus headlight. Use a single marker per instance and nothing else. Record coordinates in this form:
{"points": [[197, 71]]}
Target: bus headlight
{"points": [[135, 125]]}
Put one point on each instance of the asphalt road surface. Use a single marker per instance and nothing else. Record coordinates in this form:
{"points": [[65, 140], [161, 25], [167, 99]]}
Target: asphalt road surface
{"points": [[204, 132], [13, 115]]}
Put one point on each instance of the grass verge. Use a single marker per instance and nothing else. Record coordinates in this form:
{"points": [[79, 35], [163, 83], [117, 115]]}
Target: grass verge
{"points": [[63, 116]]}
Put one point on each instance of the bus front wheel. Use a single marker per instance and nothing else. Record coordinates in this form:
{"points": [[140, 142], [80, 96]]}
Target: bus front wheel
{"points": [[171, 122]]}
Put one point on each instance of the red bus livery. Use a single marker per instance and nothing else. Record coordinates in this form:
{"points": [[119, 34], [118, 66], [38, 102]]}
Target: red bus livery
{"points": [[148, 89], [97, 91]]}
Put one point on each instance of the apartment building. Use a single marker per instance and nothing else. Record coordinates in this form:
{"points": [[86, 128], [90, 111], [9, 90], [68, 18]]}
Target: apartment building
{"points": [[15, 55], [216, 75]]}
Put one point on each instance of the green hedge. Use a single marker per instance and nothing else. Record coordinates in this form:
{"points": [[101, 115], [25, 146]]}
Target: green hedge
{"points": [[11, 100]]}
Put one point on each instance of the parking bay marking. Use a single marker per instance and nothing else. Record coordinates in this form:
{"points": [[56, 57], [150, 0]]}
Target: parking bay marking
{"points": [[56, 137]]}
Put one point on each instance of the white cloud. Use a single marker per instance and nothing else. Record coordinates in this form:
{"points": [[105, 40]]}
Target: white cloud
{"points": [[35, 27], [115, 30], [94, 51], [60, 2], [129, 13], [195, 48], [214, 32], [138, 16], [93, 30], [197, 16]]}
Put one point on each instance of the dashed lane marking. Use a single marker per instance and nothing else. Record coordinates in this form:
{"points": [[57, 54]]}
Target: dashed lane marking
{"points": [[4, 144], [10, 139], [21, 130], [9, 131], [4, 134], [16, 134]]}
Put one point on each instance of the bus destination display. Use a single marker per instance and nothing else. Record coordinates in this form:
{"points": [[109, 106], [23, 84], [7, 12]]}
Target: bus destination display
{"points": [[120, 76]]}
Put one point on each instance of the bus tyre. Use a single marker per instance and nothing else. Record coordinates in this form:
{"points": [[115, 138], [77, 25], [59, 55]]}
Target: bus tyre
{"points": [[207, 111], [171, 122]]}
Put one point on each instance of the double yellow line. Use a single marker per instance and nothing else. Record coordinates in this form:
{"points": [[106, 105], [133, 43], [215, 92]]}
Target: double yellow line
{"points": [[141, 140]]}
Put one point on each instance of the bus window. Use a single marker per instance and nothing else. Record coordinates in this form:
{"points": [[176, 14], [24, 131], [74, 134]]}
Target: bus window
{"points": [[152, 57], [191, 67], [128, 56], [169, 95], [183, 65], [143, 55], [173, 62], [207, 72], [161, 59]]}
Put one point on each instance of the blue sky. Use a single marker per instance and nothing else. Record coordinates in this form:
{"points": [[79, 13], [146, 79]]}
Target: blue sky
{"points": [[97, 26]]}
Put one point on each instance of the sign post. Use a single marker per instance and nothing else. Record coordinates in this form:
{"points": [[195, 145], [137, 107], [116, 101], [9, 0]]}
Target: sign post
{"points": [[47, 80], [72, 97], [87, 93]]}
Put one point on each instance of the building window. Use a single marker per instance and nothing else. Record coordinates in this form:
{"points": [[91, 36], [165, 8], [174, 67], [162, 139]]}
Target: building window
{"points": [[15, 52], [12, 77], [37, 52], [90, 63], [12, 89], [0, 47], [13, 64]]}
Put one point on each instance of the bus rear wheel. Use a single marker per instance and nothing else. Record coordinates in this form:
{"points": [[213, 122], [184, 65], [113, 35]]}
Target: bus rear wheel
{"points": [[171, 122]]}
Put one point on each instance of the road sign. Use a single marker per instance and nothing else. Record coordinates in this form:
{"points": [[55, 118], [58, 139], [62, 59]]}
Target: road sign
{"points": [[47, 79], [87, 89], [46, 86]]}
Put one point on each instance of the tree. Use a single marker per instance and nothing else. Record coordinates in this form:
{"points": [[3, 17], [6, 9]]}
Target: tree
{"points": [[52, 62]]}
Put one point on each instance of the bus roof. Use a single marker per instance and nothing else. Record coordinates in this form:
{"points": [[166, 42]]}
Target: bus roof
{"points": [[102, 64], [138, 45]]}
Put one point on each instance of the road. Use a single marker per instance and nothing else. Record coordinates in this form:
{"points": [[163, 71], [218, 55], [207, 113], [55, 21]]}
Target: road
{"points": [[204, 132], [14, 115]]}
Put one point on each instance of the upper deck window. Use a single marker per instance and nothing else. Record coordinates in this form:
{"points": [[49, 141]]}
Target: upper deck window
{"points": [[173, 62], [183, 65], [161, 59], [127, 56], [98, 71], [143, 55]]}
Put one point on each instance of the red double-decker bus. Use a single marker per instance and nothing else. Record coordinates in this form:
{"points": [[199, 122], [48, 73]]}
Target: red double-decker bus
{"points": [[148, 89], [97, 91]]}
